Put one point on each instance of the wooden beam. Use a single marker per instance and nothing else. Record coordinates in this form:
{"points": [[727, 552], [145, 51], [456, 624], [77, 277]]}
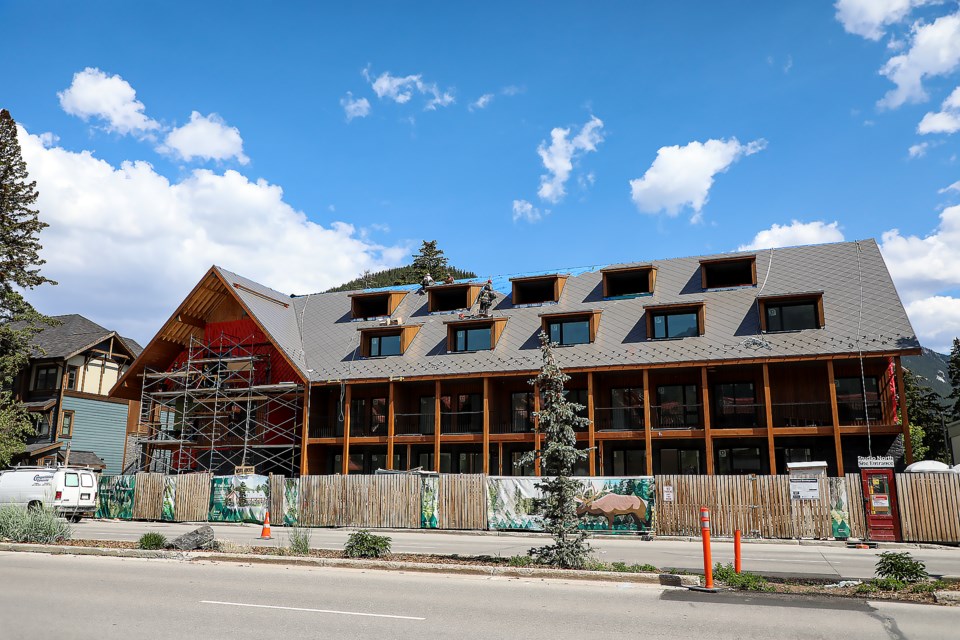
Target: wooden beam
{"points": [[536, 430], [486, 426], [390, 424], [436, 426], [705, 401], [905, 423], [835, 415], [591, 432], [647, 423], [768, 407], [305, 435], [193, 321], [348, 393]]}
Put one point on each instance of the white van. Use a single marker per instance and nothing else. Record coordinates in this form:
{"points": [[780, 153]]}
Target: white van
{"points": [[71, 491]]}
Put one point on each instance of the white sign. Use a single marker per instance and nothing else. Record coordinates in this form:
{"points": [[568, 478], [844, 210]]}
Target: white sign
{"points": [[804, 488], [881, 500], [875, 462], [667, 494]]}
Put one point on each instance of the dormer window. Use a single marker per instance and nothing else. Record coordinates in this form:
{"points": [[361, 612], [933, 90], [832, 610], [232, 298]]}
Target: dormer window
{"points": [[537, 289], [727, 273], [670, 321], [375, 304], [629, 282], [474, 334], [452, 297], [391, 340], [791, 313], [571, 328]]}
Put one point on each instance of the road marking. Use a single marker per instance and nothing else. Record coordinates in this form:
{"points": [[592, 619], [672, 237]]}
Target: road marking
{"points": [[343, 613]]}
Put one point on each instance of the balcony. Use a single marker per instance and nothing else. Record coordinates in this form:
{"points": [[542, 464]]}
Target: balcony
{"points": [[739, 416], [854, 412], [801, 414], [323, 427], [462, 422], [368, 427], [675, 416], [413, 424], [618, 418], [518, 421]]}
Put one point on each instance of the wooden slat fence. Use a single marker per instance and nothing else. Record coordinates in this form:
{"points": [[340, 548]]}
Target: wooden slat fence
{"points": [[462, 502], [148, 496], [275, 504], [383, 501], [321, 501], [929, 506], [858, 527], [192, 503]]}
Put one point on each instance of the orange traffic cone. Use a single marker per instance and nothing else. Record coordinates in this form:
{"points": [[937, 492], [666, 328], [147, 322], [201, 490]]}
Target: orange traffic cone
{"points": [[265, 532]]}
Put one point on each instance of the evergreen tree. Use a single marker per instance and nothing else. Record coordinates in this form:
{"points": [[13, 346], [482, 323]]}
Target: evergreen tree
{"points": [[953, 370], [430, 260], [924, 409], [558, 418], [19, 269]]}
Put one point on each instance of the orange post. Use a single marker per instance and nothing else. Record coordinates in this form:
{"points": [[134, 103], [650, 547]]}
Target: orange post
{"points": [[736, 551], [707, 559]]}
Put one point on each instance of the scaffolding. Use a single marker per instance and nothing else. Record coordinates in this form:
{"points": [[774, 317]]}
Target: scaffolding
{"points": [[216, 410]]}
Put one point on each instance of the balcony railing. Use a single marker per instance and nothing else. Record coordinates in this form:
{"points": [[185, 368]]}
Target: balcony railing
{"points": [[518, 421], [851, 412], [366, 427], [462, 422], [675, 416], [618, 418], [325, 428], [413, 424], [739, 416], [801, 414]]}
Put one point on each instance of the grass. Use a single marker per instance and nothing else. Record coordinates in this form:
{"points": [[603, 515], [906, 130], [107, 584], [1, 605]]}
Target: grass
{"points": [[40, 524], [519, 561], [152, 540], [299, 541]]}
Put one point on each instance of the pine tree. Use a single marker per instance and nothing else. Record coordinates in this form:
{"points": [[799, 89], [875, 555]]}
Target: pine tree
{"points": [[19, 269], [953, 370], [430, 260], [924, 407], [558, 418]]}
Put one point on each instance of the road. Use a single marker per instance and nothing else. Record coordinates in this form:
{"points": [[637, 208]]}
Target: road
{"points": [[67, 597], [785, 560]]}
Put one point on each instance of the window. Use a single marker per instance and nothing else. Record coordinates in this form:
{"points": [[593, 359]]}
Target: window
{"points": [[43, 425], [578, 396], [680, 461], [474, 335], [791, 314], [375, 305], [626, 462], [477, 339], [46, 378], [385, 345], [850, 397], [628, 282], [677, 407], [736, 404], [452, 297], [461, 413], [739, 461], [728, 272], [86, 480], [71, 480], [627, 408], [537, 289], [72, 376], [368, 417], [678, 324], [570, 332], [427, 414], [377, 342], [521, 405], [66, 424]]}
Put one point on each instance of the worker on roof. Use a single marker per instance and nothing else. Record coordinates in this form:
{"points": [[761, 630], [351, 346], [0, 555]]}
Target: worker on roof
{"points": [[448, 279], [487, 296], [426, 282]]}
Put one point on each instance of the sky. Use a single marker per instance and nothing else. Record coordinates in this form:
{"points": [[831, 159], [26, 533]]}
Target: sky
{"points": [[300, 144]]}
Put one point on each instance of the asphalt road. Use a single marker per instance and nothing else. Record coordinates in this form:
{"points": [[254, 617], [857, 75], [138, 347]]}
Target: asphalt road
{"points": [[66, 597], [787, 560]]}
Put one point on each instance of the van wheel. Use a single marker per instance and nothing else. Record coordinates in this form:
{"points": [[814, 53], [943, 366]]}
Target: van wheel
{"points": [[76, 518], [34, 506]]}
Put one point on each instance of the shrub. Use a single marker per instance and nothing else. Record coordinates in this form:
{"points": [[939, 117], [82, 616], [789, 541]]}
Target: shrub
{"points": [[363, 544], [36, 524], [888, 584], [744, 581], [901, 567], [299, 542], [519, 561], [152, 540], [867, 587]]}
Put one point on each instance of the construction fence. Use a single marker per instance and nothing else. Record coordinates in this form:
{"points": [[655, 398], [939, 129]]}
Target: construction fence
{"points": [[669, 505]]}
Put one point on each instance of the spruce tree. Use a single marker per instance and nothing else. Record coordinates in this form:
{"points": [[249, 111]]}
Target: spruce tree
{"points": [[923, 407], [953, 370], [430, 260], [19, 270], [558, 418]]}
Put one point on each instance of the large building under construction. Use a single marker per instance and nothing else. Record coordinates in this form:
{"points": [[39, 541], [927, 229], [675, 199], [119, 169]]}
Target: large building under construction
{"points": [[734, 363]]}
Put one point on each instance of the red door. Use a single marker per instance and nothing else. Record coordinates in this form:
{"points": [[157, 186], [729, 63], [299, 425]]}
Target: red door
{"points": [[880, 504]]}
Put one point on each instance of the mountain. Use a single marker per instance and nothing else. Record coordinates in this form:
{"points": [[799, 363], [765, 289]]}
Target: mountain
{"points": [[931, 368], [394, 277]]}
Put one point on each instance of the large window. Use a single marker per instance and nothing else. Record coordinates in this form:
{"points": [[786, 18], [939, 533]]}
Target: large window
{"points": [[677, 407], [675, 324], [46, 378], [739, 461], [792, 316], [569, 331], [735, 404], [626, 408], [461, 413], [850, 400], [680, 461], [472, 339], [66, 424], [385, 345], [521, 406]]}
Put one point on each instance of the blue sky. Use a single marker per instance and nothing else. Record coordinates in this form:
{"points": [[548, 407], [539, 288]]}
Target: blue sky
{"points": [[301, 145]]}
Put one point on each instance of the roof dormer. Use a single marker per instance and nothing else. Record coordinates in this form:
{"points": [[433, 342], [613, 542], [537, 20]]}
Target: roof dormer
{"points": [[727, 273], [629, 282], [374, 304], [530, 290], [474, 334], [386, 340], [445, 298]]}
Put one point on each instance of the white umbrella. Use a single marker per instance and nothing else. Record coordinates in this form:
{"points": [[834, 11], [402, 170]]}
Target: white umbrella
{"points": [[928, 466]]}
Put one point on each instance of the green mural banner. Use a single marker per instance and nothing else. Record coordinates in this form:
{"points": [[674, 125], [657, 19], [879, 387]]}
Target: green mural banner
{"points": [[115, 497], [839, 508], [291, 502], [605, 505], [169, 499], [429, 503], [239, 498]]}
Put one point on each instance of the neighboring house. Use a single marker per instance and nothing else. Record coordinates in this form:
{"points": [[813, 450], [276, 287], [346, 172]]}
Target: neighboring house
{"points": [[66, 389], [735, 363]]}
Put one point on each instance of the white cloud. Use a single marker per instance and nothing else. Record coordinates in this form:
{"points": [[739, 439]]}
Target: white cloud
{"points": [[205, 137], [934, 51], [126, 243], [869, 18], [558, 158], [793, 234], [682, 176], [947, 120], [936, 320], [951, 187], [355, 107], [482, 102], [925, 266], [918, 150], [523, 210], [401, 89], [110, 98]]}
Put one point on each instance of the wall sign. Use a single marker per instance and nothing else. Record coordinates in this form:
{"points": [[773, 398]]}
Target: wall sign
{"points": [[875, 462], [804, 488], [667, 494]]}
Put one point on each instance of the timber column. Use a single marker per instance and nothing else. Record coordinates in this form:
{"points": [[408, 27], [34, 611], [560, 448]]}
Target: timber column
{"points": [[436, 426], [591, 434], [647, 424], [835, 415], [905, 423], [305, 437], [536, 429], [390, 424], [768, 408], [486, 426], [348, 392], [707, 436]]}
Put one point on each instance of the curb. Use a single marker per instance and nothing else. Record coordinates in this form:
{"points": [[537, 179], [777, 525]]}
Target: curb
{"points": [[670, 580]]}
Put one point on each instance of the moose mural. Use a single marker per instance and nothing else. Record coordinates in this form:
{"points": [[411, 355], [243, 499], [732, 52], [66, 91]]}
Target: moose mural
{"points": [[611, 505]]}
